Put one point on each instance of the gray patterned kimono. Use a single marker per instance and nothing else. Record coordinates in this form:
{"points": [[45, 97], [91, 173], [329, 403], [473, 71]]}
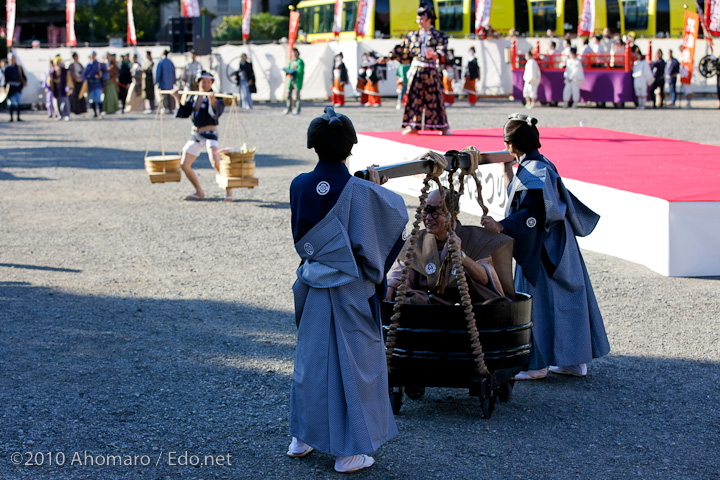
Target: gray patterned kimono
{"points": [[339, 400], [568, 327]]}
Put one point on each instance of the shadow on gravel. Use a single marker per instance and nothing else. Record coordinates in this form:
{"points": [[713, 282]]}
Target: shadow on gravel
{"points": [[40, 267], [142, 376], [72, 157], [262, 161], [10, 176]]}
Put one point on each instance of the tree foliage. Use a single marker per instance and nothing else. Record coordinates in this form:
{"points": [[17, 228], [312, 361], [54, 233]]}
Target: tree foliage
{"points": [[110, 19], [263, 26]]}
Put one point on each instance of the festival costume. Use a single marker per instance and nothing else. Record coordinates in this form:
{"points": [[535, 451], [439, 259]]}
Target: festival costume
{"points": [[61, 82], [295, 73], [15, 81], [402, 82], [245, 78], [112, 100], [471, 77], [478, 244], [204, 116], [642, 79], [448, 92], [425, 92], [658, 69], [360, 86], [672, 68], [372, 87], [165, 79], [77, 103], [149, 85], [124, 81], [95, 74], [531, 77], [574, 77], [544, 218], [340, 78], [347, 231]]}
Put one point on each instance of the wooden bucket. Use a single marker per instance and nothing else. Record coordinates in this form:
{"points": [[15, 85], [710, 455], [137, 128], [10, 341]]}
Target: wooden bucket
{"points": [[236, 170], [162, 164], [237, 157]]}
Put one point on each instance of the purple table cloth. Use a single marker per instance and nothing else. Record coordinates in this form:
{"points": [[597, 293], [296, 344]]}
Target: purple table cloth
{"points": [[614, 86]]}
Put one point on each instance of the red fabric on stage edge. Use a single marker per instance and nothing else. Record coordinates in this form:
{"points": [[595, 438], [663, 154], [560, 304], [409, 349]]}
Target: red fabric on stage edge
{"points": [[673, 170]]}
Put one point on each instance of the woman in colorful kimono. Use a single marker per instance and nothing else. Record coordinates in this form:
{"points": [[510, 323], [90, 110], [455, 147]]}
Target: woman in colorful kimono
{"points": [[347, 232], [426, 48], [339, 80], [544, 218], [112, 100]]}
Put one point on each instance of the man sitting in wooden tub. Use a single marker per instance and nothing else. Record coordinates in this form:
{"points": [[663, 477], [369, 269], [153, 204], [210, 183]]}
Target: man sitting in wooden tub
{"points": [[486, 258]]}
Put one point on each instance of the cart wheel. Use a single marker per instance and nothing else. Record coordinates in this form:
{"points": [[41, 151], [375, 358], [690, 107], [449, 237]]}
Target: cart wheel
{"points": [[396, 395], [707, 66], [505, 391], [488, 405], [416, 393]]}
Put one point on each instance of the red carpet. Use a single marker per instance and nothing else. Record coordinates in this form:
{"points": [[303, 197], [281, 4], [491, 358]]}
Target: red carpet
{"points": [[673, 170]]}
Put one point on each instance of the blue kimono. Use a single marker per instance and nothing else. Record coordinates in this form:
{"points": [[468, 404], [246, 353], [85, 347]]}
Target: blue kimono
{"points": [[544, 217], [347, 232]]}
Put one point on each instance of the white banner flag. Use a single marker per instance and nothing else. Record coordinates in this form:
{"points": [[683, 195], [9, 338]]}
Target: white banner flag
{"points": [[191, 8], [587, 19], [365, 9], [712, 14], [482, 15], [70, 23], [10, 28], [131, 37], [337, 23], [247, 14]]}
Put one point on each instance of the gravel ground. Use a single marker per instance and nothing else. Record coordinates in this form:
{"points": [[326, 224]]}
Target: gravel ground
{"points": [[136, 324]]}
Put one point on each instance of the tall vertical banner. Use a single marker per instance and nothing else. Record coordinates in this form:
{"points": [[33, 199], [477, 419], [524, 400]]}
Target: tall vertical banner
{"points": [[131, 37], [247, 15], [337, 22], [586, 26], [482, 15], [365, 10], [712, 16], [191, 8], [70, 23], [690, 35], [292, 34], [10, 29]]}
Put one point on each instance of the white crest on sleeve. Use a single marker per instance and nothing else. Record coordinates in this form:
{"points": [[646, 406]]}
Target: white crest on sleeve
{"points": [[430, 268], [322, 188], [309, 248], [404, 235], [531, 222]]}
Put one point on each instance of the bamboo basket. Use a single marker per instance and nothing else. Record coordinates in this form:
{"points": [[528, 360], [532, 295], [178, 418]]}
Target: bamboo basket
{"points": [[237, 157]]}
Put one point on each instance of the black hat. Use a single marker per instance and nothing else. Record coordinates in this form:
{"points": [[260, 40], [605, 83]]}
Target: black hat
{"points": [[332, 135], [427, 8]]}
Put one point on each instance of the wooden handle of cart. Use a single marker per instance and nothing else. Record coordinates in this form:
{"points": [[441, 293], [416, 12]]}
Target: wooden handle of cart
{"points": [[193, 92], [456, 159]]}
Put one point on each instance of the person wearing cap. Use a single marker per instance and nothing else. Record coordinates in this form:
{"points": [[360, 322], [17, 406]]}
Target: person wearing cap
{"points": [[339, 80], [14, 83], [574, 76], [191, 72], [61, 85], [165, 79], [531, 80], [77, 103], [373, 76], [347, 232], [544, 218], [95, 75], [426, 48], [295, 74], [205, 111]]}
